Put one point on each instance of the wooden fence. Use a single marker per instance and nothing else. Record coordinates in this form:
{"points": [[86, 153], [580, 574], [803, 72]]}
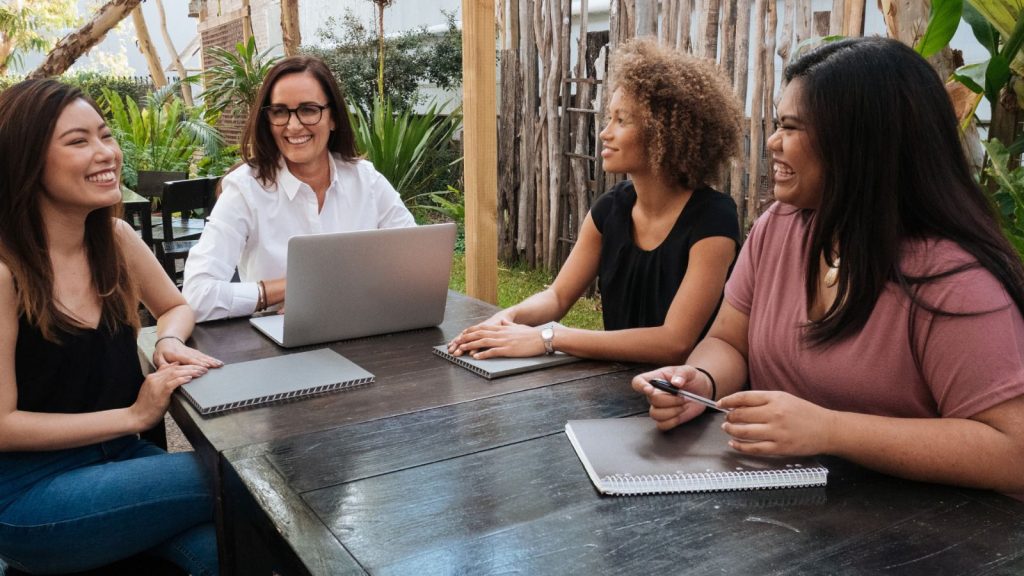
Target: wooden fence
{"points": [[549, 157]]}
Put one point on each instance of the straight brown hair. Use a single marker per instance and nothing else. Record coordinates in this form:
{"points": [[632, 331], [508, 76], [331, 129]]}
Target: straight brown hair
{"points": [[28, 114], [258, 148]]}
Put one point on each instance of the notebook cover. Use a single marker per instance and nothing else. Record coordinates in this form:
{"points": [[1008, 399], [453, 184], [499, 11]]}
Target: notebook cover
{"points": [[631, 456], [497, 367], [259, 382]]}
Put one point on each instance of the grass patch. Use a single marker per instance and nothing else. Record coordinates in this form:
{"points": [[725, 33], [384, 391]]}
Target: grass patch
{"points": [[517, 283]]}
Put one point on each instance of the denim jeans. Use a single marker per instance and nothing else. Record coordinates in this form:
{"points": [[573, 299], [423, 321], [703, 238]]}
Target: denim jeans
{"points": [[76, 509]]}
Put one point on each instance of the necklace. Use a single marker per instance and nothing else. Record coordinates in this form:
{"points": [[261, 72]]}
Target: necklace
{"points": [[832, 274]]}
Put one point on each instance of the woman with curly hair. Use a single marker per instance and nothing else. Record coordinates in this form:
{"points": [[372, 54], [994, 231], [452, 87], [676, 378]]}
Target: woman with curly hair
{"points": [[875, 310], [661, 243]]}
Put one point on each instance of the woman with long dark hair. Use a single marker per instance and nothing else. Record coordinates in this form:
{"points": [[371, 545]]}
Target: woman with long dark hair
{"points": [[78, 488], [301, 175], [875, 310]]}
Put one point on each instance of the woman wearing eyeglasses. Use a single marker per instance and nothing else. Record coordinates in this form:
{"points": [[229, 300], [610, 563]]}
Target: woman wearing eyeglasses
{"points": [[301, 175]]}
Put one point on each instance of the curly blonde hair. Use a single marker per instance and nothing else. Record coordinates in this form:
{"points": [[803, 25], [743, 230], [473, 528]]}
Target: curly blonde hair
{"points": [[688, 113]]}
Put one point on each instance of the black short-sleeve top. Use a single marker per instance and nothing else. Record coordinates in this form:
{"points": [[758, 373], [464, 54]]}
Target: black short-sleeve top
{"points": [[90, 370], [637, 286]]}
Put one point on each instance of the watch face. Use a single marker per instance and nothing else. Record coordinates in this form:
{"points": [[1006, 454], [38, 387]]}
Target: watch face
{"points": [[547, 333]]}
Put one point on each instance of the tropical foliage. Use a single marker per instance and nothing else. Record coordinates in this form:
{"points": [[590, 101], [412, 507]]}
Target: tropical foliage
{"points": [[163, 134], [998, 26], [405, 146], [1009, 192], [237, 76], [32, 26]]}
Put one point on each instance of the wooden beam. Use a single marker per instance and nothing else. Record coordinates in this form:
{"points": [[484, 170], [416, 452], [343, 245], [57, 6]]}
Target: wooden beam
{"points": [[481, 148]]}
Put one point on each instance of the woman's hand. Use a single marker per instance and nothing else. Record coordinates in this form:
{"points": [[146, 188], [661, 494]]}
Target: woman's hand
{"points": [[173, 351], [504, 339], [503, 316], [779, 423], [668, 410], [155, 395]]}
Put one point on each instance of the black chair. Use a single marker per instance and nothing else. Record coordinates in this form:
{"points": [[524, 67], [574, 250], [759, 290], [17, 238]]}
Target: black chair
{"points": [[175, 236], [151, 182]]}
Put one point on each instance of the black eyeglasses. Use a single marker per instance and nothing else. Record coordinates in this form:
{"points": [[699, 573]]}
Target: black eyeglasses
{"points": [[308, 113]]}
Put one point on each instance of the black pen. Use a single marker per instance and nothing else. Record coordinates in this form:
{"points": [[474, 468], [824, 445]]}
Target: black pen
{"points": [[665, 386]]}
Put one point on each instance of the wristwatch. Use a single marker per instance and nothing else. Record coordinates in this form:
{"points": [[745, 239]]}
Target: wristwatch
{"points": [[548, 336]]}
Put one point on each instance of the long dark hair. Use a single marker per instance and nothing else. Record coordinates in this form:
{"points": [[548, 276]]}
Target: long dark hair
{"points": [[28, 114], [258, 148], [894, 170]]}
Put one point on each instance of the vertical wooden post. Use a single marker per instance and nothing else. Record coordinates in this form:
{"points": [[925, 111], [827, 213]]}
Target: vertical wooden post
{"points": [[481, 146]]}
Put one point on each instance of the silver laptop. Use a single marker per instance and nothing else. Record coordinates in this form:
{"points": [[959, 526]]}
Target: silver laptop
{"points": [[355, 284]]}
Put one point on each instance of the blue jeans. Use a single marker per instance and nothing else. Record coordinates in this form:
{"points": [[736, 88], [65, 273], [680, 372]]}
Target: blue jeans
{"points": [[76, 509]]}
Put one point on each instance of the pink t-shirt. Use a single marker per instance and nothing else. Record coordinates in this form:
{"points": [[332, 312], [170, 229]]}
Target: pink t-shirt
{"points": [[968, 363]]}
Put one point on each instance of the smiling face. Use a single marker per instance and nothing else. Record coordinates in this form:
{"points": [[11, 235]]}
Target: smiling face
{"points": [[796, 164], [82, 169], [622, 137], [301, 146]]}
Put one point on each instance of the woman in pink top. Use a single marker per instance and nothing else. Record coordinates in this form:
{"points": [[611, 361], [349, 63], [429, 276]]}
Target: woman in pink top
{"points": [[875, 311]]}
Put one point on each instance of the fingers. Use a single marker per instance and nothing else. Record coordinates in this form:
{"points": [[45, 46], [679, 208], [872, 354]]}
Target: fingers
{"points": [[170, 376], [760, 448], [750, 398]]}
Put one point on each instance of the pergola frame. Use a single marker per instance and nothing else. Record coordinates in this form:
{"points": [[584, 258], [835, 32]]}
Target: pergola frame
{"points": [[481, 148]]}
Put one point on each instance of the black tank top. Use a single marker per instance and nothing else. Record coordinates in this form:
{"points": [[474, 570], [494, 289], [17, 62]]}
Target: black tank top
{"points": [[638, 286], [90, 370]]}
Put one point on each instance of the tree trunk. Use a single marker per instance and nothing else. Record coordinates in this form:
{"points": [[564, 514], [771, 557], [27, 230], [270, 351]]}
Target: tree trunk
{"points": [[145, 44], [509, 138], [712, 9], [69, 48], [186, 86], [291, 36], [646, 18]]}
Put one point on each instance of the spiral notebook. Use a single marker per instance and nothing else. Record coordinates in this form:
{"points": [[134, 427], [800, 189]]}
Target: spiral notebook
{"points": [[626, 456], [497, 367], [259, 382]]}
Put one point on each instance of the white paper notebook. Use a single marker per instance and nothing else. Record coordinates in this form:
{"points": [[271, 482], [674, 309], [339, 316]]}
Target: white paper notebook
{"points": [[269, 380], [631, 456]]}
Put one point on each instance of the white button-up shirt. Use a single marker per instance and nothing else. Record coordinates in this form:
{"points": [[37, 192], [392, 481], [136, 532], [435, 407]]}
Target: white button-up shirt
{"points": [[251, 224]]}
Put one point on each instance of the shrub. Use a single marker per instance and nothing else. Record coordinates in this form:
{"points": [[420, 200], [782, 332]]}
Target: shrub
{"points": [[411, 58]]}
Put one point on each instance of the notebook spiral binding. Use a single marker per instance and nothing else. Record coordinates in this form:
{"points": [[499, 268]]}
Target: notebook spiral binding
{"points": [[458, 360], [714, 481], [261, 400]]}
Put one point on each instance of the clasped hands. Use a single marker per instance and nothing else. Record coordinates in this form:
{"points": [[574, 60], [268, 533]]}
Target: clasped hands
{"points": [[760, 422], [498, 337]]}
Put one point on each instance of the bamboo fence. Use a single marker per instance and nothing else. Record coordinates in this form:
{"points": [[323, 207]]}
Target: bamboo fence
{"points": [[549, 155]]}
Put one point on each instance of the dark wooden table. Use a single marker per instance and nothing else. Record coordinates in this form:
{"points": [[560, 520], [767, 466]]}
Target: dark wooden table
{"points": [[434, 470]]}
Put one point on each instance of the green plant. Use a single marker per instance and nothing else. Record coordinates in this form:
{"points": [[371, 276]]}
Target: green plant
{"points": [[516, 283], [451, 205], [164, 134], [237, 76], [93, 83], [413, 57], [218, 164], [998, 26], [1009, 195], [401, 146]]}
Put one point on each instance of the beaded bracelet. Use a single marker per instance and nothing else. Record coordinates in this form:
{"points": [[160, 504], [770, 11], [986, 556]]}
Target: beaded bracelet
{"points": [[714, 387], [165, 338]]}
